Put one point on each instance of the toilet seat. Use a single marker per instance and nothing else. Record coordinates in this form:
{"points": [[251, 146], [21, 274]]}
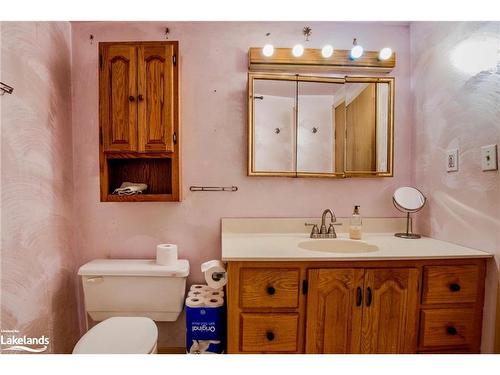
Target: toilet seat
{"points": [[120, 335]]}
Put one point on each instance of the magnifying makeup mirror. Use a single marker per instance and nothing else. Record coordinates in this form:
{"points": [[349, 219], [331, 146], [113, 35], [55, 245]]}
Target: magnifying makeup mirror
{"points": [[408, 200]]}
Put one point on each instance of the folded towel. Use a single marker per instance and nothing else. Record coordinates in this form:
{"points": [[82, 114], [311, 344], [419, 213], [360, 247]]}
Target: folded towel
{"points": [[130, 188]]}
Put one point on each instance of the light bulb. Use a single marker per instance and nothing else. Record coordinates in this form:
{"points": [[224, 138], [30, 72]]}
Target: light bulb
{"points": [[385, 53], [268, 50], [298, 50], [356, 52], [327, 51]]}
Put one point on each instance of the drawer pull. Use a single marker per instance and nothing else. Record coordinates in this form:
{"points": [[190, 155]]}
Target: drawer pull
{"points": [[271, 290], [270, 335], [369, 296], [359, 296], [455, 287], [452, 331]]}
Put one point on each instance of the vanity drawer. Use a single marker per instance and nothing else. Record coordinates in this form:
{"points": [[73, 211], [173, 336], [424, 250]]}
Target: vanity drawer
{"points": [[446, 328], [269, 332], [450, 284], [269, 287]]}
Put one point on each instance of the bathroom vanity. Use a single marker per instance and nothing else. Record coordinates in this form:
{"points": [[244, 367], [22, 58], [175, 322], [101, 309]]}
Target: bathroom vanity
{"points": [[288, 293]]}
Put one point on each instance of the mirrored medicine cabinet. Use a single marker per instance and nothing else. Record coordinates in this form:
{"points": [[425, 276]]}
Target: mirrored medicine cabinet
{"points": [[311, 126]]}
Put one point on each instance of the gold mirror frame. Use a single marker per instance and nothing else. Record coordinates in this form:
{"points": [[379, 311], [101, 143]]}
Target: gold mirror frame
{"points": [[251, 171]]}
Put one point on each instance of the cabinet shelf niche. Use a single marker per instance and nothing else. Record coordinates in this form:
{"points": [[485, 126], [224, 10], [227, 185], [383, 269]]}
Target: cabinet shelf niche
{"points": [[156, 172]]}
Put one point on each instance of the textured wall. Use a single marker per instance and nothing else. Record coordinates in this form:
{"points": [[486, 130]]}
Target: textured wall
{"points": [[213, 66], [38, 292], [456, 88]]}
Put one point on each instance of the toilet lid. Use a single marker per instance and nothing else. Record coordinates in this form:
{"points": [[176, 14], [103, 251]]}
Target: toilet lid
{"points": [[119, 335]]}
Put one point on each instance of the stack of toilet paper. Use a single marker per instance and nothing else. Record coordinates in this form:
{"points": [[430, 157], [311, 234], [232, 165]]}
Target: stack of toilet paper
{"points": [[204, 296]]}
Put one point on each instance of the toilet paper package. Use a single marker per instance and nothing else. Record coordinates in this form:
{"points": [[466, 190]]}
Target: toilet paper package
{"points": [[205, 326], [166, 254], [215, 274]]}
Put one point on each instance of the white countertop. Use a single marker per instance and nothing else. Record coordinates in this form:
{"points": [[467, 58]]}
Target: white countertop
{"points": [[254, 239]]}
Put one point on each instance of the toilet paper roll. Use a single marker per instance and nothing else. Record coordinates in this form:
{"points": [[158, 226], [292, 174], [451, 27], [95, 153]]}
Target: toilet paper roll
{"points": [[214, 302], [216, 293], [198, 287], [195, 301], [215, 273], [196, 293], [166, 254]]}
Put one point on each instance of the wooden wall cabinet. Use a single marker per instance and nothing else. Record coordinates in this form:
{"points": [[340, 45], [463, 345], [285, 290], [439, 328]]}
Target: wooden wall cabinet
{"points": [[139, 119], [417, 306]]}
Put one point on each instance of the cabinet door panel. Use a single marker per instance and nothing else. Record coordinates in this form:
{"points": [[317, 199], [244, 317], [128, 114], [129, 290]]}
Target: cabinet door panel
{"points": [[390, 314], [156, 98], [118, 86], [333, 314]]}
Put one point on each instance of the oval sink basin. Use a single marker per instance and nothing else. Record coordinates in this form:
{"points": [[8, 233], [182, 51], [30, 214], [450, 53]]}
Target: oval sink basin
{"points": [[337, 246]]}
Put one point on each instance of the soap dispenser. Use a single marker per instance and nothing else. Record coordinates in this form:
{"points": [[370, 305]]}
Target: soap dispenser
{"points": [[355, 225]]}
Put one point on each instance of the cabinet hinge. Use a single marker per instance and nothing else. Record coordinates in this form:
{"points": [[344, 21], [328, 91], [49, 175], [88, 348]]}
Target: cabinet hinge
{"points": [[174, 137], [100, 61], [305, 286], [174, 59]]}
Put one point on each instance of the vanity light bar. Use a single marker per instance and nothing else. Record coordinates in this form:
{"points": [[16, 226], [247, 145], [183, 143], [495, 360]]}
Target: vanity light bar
{"points": [[317, 59]]}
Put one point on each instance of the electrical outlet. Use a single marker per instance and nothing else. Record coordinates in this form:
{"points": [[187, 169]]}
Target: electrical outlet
{"points": [[452, 160], [489, 159]]}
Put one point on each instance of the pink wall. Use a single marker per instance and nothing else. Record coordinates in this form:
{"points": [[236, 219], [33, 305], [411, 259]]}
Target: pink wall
{"points": [[456, 105], [38, 260], [213, 96]]}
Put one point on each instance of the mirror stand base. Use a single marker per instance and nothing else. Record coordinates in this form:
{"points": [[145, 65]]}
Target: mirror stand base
{"points": [[412, 236]]}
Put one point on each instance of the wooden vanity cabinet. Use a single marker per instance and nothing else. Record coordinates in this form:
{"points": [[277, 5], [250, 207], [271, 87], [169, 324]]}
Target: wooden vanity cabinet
{"points": [[139, 119], [418, 306]]}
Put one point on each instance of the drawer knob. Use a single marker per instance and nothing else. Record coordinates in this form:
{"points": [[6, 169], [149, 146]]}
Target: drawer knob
{"points": [[270, 335], [271, 290], [455, 287], [452, 331], [131, 98]]}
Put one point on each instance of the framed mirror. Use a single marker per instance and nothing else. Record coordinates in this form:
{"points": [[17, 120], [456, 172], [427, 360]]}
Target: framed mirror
{"points": [[310, 126]]}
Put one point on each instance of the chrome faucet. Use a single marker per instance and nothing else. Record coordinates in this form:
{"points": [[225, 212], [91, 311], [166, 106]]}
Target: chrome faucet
{"points": [[323, 232]]}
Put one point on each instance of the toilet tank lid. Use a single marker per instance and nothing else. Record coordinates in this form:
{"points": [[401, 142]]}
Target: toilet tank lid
{"points": [[134, 267]]}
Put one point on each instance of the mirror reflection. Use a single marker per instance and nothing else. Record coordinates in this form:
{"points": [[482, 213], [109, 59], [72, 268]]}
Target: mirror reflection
{"points": [[367, 127], [320, 127], [274, 125]]}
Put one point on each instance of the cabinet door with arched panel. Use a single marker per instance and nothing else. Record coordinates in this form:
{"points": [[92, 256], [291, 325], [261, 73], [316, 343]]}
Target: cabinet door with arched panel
{"points": [[157, 79]]}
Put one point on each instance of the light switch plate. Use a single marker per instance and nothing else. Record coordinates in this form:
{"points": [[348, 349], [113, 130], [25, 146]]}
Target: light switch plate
{"points": [[489, 158], [452, 160]]}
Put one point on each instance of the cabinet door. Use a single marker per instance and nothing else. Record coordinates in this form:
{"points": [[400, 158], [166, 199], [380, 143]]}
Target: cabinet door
{"points": [[390, 311], [334, 310], [157, 95], [118, 91]]}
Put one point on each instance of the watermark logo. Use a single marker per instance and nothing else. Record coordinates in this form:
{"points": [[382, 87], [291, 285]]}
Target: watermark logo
{"points": [[10, 340]]}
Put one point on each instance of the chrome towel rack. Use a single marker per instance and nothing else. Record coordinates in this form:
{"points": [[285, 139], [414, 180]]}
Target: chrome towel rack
{"points": [[214, 188]]}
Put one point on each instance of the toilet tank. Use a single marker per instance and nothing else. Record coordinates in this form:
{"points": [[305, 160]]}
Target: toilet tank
{"points": [[134, 287]]}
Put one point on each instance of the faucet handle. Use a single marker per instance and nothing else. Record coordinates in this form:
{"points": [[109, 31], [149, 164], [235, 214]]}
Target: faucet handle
{"points": [[331, 231], [314, 230]]}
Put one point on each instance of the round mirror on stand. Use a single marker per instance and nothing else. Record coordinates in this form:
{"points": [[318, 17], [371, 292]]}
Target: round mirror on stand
{"points": [[408, 200]]}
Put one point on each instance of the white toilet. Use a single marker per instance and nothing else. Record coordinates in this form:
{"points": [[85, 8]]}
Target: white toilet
{"points": [[126, 295]]}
